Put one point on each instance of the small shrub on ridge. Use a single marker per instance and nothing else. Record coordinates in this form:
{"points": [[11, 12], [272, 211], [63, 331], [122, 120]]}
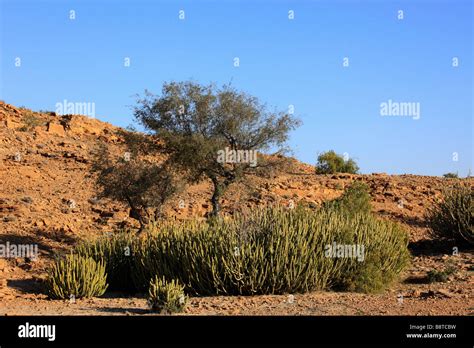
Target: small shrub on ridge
{"points": [[330, 162], [355, 199]]}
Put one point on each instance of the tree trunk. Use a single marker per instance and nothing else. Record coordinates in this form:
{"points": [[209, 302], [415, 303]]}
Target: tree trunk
{"points": [[140, 214], [216, 195]]}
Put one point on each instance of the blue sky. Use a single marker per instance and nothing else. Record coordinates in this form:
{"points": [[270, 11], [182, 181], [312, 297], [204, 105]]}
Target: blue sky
{"points": [[283, 62]]}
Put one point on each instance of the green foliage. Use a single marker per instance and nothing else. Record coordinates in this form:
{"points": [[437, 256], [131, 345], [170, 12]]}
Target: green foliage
{"points": [[451, 175], [268, 251], [435, 276], [355, 199], [274, 251], [385, 254], [144, 185], [116, 252], [30, 121], [330, 162], [166, 297], [195, 122], [453, 217], [76, 276]]}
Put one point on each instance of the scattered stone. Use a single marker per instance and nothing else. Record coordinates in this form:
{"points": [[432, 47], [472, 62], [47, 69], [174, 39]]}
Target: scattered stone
{"points": [[71, 203], [48, 154], [8, 208], [445, 293], [427, 294], [17, 157], [106, 214], [94, 200], [27, 200], [10, 218], [55, 128]]}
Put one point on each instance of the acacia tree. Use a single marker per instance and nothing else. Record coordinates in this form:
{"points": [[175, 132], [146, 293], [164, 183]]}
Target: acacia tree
{"points": [[215, 133]]}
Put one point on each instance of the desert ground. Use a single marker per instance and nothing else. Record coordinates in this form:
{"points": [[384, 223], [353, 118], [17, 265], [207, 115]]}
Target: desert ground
{"points": [[48, 198]]}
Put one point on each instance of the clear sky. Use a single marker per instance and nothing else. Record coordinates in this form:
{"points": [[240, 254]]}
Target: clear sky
{"points": [[283, 61]]}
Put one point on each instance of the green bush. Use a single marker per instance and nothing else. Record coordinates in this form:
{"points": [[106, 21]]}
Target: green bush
{"points": [[30, 121], [116, 252], [385, 254], [453, 217], [76, 276], [166, 297], [269, 251], [330, 162], [355, 199], [451, 175], [435, 276], [274, 251]]}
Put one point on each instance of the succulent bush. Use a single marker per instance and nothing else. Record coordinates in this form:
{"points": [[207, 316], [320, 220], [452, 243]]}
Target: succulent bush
{"points": [[116, 252], [75, 275], [166, 297], [453, 217], [274, 251], [268, 251], [385, 254]]}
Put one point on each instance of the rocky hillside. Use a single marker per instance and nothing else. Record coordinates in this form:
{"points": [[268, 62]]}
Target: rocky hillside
{"points": [[47, 197], [47, 194]]}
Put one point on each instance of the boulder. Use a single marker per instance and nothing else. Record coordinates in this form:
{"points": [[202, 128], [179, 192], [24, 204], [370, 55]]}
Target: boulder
{"points": [[55, 128]]}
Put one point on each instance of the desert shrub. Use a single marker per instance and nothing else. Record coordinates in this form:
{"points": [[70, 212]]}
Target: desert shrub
{"points": [[330, 162], [166, 297], [30, 121], [274, 251], [453, 217], [268, 251], [75, 275], [385, 254], [135, 180], [355, 199], [441, 276], [116, 252], [435, 276], [451, 175]]}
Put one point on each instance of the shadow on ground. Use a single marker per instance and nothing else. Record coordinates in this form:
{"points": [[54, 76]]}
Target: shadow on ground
{"points": [[124, 310], [26, 286], [432, 247]]}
